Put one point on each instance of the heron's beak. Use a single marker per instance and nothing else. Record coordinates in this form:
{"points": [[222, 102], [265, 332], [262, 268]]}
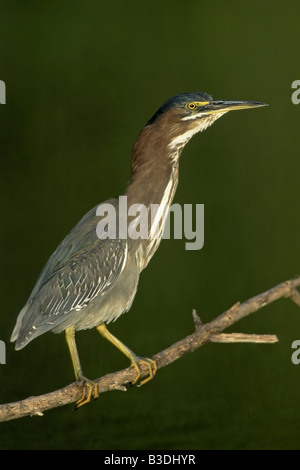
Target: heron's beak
{"points": [[225, 106]]}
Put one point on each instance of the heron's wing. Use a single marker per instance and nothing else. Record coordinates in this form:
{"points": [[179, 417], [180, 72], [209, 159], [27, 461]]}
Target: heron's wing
{"points": [[82, 267], [86, 274], [78, 243]]}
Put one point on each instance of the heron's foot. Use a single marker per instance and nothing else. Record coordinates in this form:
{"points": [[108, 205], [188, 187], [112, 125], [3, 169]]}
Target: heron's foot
{"points": [[149, 363], [90, 391]]}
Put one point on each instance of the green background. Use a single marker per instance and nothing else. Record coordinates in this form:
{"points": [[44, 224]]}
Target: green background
{"points": [[82, 78]]}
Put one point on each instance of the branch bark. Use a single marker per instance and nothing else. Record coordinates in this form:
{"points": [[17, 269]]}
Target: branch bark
{"points": [[204, 333]]}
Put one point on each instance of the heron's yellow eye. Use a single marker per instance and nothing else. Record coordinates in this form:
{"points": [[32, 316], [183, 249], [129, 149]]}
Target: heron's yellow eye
{"points": [[192, 105]]}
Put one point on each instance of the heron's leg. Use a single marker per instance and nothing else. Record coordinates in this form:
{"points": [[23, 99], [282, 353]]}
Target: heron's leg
{"points": [[90, 387], [136, 361], [70, 337]]}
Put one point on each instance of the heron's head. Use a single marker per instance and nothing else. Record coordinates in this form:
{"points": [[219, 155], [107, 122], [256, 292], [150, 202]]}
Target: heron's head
{"points": [[184, 115]]}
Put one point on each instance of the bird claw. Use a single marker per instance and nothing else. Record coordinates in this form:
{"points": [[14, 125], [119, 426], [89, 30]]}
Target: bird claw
{"points": [[152, 368], [90, 390]]}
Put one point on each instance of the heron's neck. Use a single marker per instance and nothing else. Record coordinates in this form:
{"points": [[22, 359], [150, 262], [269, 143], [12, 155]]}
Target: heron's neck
{"points": [[154, 173], [154, 179]]}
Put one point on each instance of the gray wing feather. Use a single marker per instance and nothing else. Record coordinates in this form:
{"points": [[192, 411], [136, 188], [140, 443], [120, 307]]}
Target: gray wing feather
{"points": [[86, 274], [79, 241], [81, 268]]}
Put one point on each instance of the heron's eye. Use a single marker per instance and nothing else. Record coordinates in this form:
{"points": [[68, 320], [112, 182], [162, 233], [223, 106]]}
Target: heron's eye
{"points": [[192, 105]]}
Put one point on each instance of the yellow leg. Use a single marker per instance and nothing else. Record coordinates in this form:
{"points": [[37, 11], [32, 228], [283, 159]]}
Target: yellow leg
{"points": [[90, 387], [136, 361], [70, 337]]}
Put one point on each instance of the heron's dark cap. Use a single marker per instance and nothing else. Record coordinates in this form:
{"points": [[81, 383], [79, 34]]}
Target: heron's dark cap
{"points": [[179, 101]]}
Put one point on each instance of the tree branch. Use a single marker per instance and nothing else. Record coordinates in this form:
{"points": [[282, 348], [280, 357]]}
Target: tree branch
{"points": [[204, 333]]}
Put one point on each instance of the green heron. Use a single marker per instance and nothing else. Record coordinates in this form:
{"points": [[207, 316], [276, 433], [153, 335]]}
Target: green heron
{"points": [[90, 280]]}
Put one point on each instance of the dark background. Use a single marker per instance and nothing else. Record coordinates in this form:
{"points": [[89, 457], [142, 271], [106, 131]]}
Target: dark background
{"points": [[82, 79]]}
